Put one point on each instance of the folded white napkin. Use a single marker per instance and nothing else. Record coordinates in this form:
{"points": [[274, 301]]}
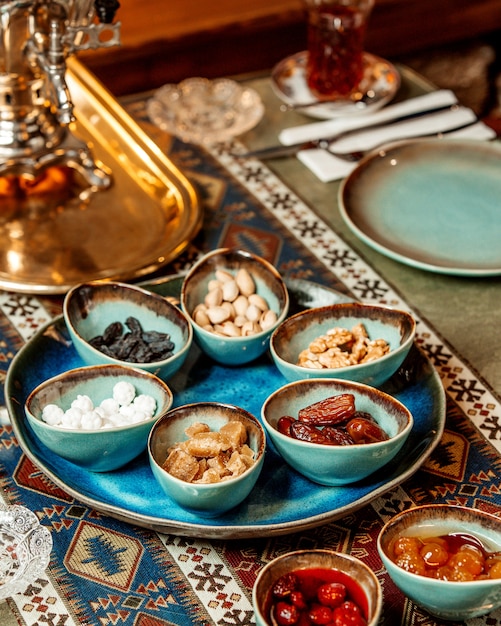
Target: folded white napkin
{"points": [[326, 128], [327, 167]]}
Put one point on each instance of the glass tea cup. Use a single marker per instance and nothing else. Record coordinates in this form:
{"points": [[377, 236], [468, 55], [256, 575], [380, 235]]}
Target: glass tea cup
{"points": [[336, 39]]}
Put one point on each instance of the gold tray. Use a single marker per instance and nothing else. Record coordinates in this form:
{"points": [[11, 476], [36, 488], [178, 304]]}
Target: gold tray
{"points": [[144, 220]]}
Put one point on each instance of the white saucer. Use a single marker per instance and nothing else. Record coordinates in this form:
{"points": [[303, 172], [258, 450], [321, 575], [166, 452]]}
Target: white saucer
{"points": [[205, 111], [379, 85]]}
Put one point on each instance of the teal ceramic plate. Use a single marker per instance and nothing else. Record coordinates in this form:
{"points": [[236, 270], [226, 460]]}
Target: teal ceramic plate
{"points": [[430, 204], [282, 501]]}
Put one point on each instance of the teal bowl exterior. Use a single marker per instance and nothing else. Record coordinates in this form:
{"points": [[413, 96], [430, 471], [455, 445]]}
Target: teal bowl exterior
{"points": [[207, 500], [100, 450], [89, 308], [234, 350], [312, 559], [446, 600], [397, 328], [336, 465]]}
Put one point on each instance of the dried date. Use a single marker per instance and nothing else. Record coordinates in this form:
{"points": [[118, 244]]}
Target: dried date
{"points": [[311, 434], [284, 424], [362, 430], [337, 436], [329, 411], [316, 424]]}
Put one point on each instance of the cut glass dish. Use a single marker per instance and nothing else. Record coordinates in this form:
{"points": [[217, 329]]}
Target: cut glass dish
{"points": [[25, 547]]}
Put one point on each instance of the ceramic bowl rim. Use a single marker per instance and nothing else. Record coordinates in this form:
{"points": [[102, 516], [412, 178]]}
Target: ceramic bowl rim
{"points": [[250, 256], [140, 290], [207, 486], [445, 583], [378, 604], [100, 431], [339, 306], [339, 449]]}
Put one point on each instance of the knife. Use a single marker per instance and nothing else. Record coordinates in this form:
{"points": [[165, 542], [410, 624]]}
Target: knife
{"points": [[281, 151]]}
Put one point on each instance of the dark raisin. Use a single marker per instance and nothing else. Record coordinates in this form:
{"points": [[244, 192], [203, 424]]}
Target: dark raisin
{"points": [[112, 333]]}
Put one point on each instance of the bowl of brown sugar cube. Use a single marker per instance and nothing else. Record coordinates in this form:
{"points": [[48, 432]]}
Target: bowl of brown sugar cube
{"points": [[235, 300], [207, 456]]}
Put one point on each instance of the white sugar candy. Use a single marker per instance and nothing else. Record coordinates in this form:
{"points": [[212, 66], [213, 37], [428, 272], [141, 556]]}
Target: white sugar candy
{"points": [[123, 409]]}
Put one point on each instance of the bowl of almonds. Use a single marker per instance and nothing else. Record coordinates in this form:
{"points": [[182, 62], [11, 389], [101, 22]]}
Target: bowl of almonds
{"points": [[335, 432], [235, 300], [353, 341]]}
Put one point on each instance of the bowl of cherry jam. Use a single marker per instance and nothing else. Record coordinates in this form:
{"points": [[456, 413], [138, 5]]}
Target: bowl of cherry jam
{"points": [[309, 587], [445, 558]]}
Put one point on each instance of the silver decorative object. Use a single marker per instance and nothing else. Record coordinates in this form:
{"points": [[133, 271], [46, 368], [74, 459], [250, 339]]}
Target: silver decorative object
{"points": [[36, 110]]}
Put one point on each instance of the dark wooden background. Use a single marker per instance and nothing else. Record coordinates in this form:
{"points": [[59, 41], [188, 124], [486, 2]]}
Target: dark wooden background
{"points": [[154, 56]]}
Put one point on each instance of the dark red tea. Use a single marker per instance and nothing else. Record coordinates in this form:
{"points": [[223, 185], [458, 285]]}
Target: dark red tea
{"points": [[336, 36]]}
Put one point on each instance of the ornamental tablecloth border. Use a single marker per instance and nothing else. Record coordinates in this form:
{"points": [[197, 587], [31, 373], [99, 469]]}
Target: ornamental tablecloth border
{"points": [[212, 580]]}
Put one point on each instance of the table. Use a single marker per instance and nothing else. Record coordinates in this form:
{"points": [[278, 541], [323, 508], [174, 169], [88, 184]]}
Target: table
{"points": [[105, 571]]}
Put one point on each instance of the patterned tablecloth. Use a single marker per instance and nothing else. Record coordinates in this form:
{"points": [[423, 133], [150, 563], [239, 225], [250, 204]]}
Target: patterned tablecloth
{"points": [[106, 572]]}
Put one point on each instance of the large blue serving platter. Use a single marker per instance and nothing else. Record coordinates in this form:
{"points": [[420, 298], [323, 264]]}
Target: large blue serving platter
{"points": [[282, 501]]}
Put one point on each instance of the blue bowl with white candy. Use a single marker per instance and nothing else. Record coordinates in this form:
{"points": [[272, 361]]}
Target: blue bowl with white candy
{"points": [[98, 417]]}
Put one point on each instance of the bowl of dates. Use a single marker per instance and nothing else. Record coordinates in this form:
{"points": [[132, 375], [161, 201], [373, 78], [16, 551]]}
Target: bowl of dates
{"points": [[335, 432], [98, 417], [235, 300], [445, 558], [353, 341], [113, 322], [207, 456], [312, 587]]}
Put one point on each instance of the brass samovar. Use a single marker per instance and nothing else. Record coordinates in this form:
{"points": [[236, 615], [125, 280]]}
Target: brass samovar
{"points": [[36, 109], [85, 193]]}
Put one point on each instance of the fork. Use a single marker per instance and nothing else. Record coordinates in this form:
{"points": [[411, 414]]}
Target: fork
{"points": [[356, 155]]}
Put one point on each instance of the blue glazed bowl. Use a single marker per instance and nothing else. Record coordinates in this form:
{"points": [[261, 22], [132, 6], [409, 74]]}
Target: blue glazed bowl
{"points": [[354, 568], [295, 334], [101, 450], [269, 284], [212, 499], [447, 600], [334, 465], [89, 308]]}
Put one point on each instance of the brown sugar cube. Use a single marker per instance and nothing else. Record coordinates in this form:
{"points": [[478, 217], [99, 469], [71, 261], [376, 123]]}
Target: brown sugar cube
{"points": [[207, 444], [235, 432], [181, 465]]}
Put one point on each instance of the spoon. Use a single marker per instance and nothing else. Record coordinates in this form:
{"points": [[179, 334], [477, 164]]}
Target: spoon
{"points": [[472, 540], [359, 100]]}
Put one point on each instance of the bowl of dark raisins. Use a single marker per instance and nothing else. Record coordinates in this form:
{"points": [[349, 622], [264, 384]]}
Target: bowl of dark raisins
{"points": [[360, 342], [445, 558], [113, 322], [311, 587], [335, 432]]}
